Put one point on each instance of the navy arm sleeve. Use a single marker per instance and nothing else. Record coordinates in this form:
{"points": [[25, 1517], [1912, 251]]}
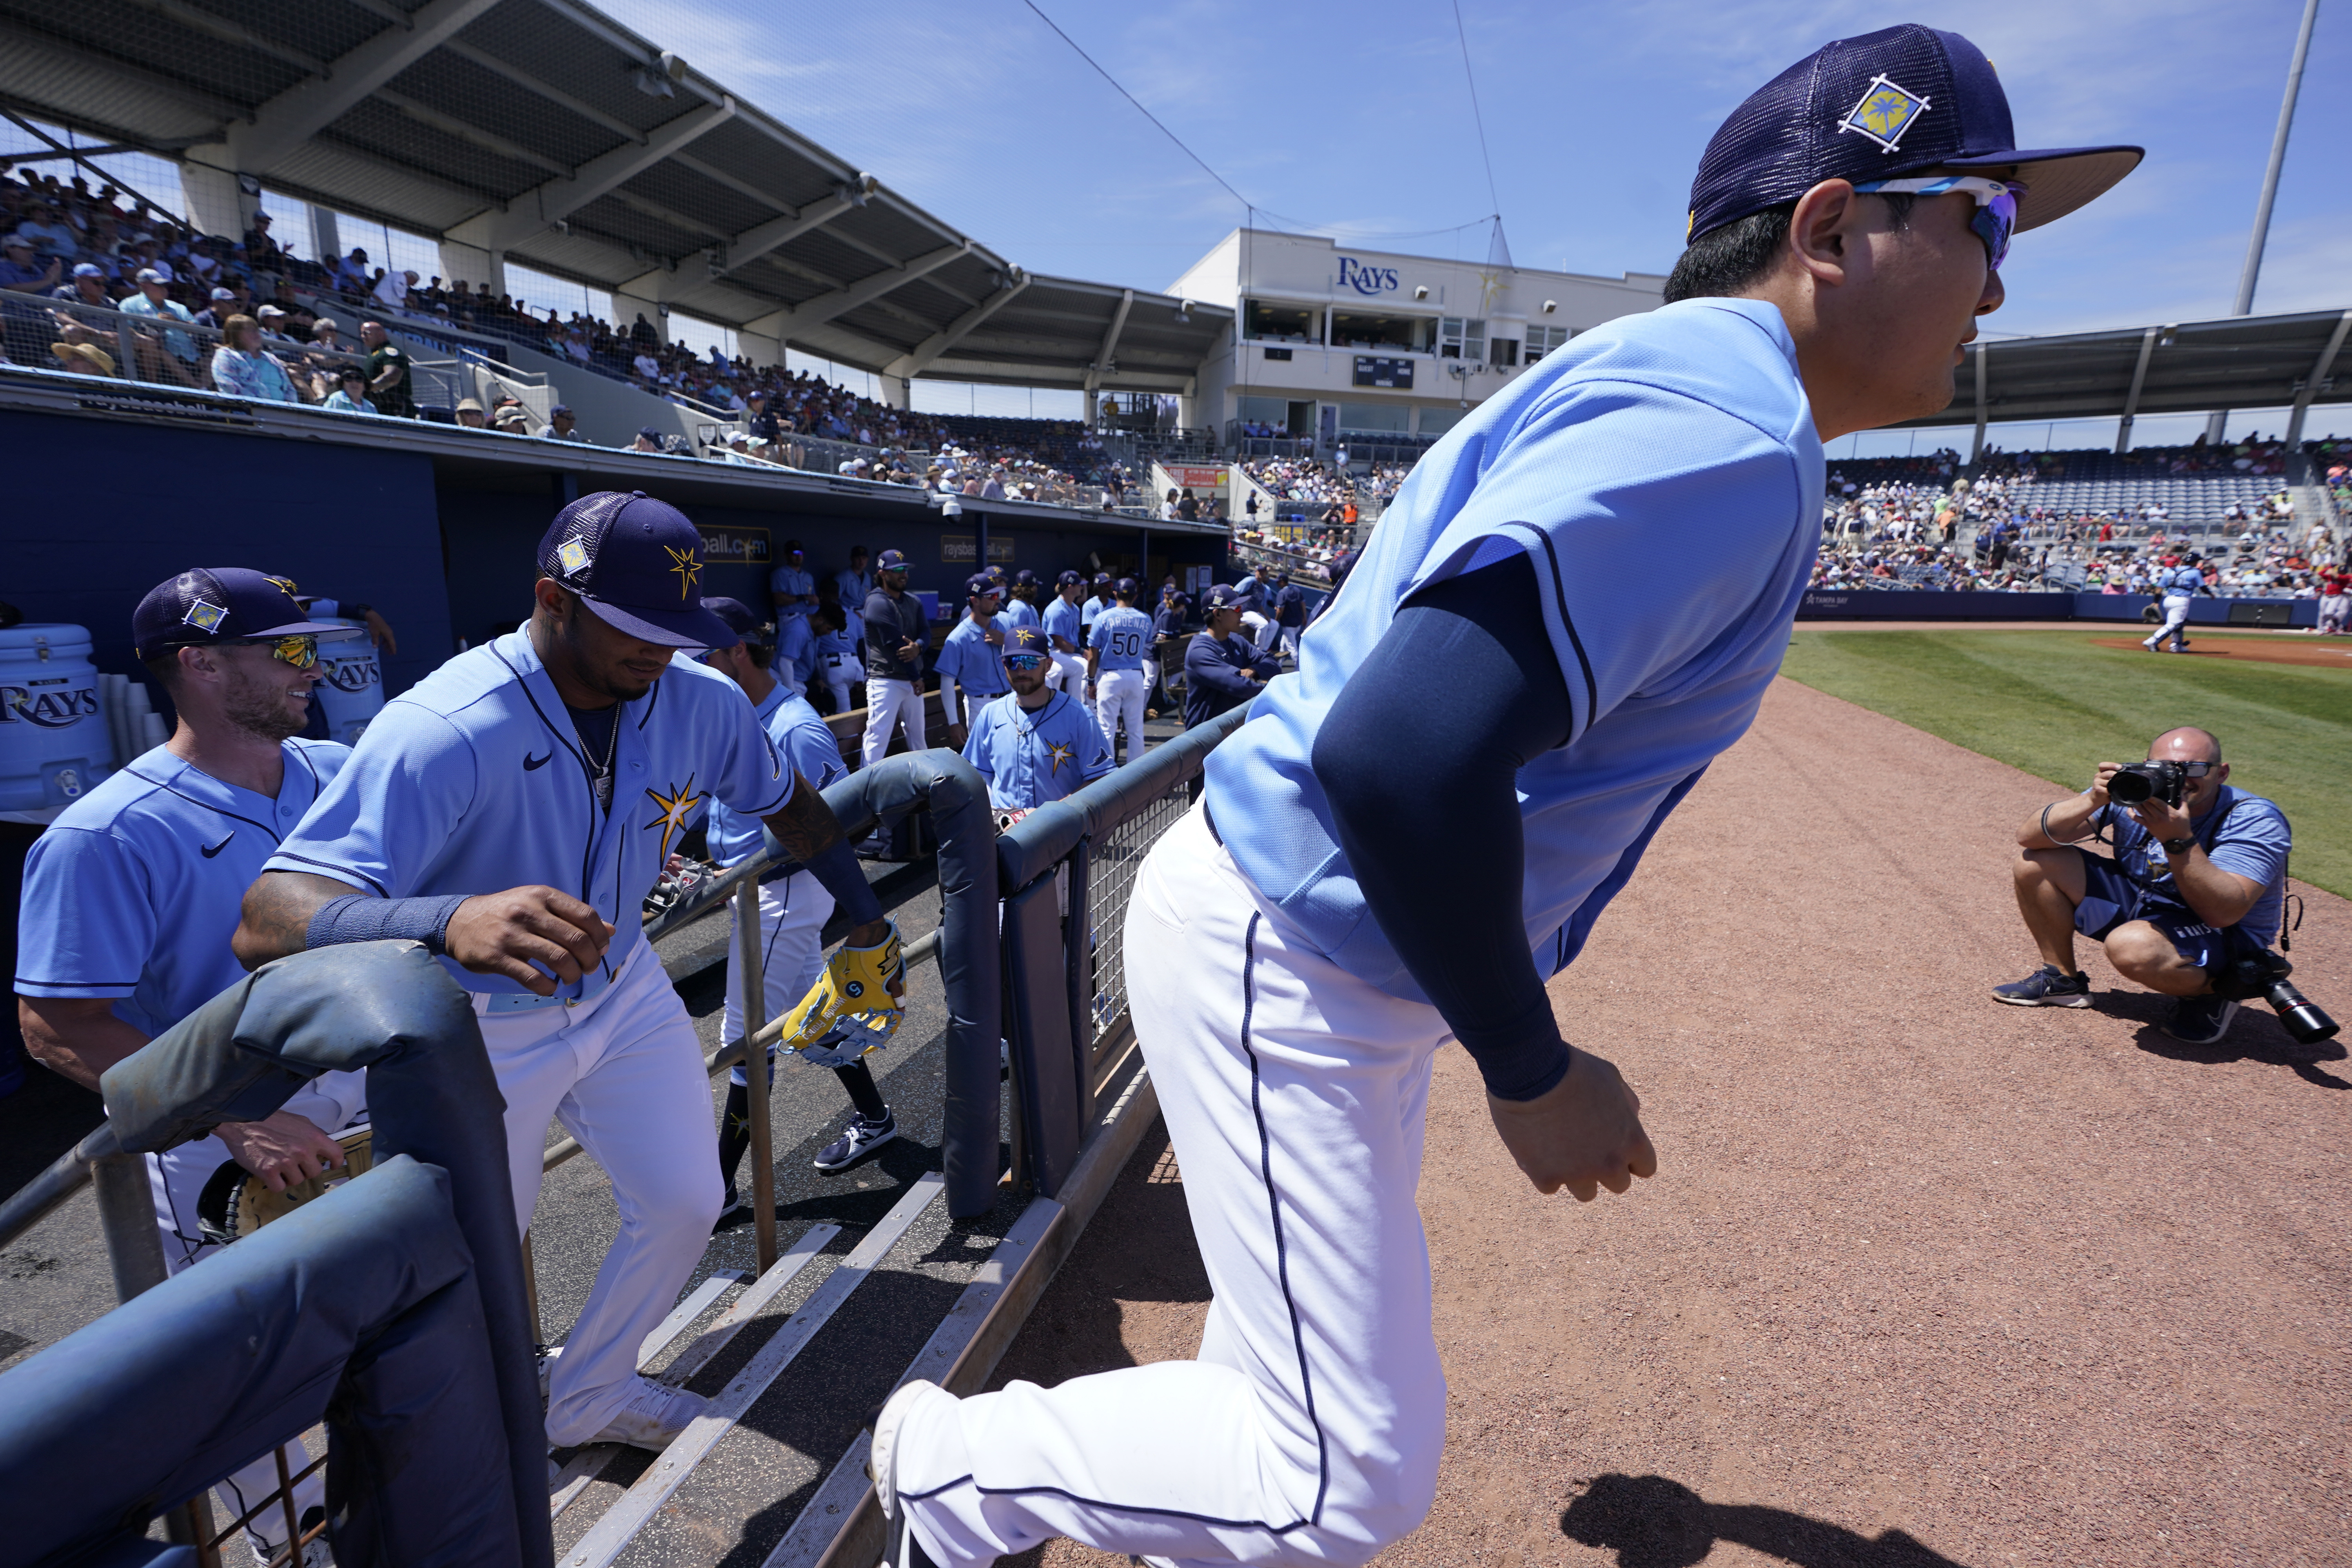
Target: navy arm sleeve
{"points": [[1419, 759]]}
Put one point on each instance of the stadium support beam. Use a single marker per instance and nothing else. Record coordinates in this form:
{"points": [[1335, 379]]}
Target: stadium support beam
{"points": [[309, 106], [760, 238], [544, 206], [1101, 367], [2315, 381], [919, 358], [2131, 398], [1976, 448], [823, 308]]}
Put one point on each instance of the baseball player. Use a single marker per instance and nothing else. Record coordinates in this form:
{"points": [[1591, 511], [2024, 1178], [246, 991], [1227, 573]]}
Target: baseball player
{"points": [[850, 587], [837, 660], [511, 812], [1221, 670], [2176, 586], [1021, 608], [1116, 645], [1101, 600], [794, 905], [131, 895], [896, 638], [1289, 614], [1064, 626], [1034, 744], [1296, 952], [1251, 593], [971, 662], [2335, 600], [790, 586]]}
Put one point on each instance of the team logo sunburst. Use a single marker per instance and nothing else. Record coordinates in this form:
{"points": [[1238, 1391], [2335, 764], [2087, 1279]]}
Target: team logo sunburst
{"points": [[675, 807], [689, 569], [1060, 754]]}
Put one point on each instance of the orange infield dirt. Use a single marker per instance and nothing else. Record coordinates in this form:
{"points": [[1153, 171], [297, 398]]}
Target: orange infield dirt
{"points": [[1923, 1280], [2330, 654]]}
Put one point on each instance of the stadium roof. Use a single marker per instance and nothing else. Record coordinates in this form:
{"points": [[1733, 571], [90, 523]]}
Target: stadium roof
{"points": [[544, 129], [2193, 367]]}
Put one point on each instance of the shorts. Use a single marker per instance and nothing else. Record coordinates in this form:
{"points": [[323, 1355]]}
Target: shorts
{"points": [[2110, 899]]}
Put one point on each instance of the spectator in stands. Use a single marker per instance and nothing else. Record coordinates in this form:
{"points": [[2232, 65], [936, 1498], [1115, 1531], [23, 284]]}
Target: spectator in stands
{"points": [[50, 236], [648, 440], [172, 356], [388, 380], [22, 271], [350, 273], [260, 249], [243, 368], [349, 396], [219, 308], [469, 413], [392, 289], [560, 426], [86, 287]]}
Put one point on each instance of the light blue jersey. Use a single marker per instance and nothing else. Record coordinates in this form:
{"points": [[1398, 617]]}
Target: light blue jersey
{"points": [[1064, 620], [1683, 435], [808, 749], [971, 661], [2182, 579], [1018, 613], [1029, 758], [134, 890], [1122, 632], [474, 781], [795, 649], [793, 580]]}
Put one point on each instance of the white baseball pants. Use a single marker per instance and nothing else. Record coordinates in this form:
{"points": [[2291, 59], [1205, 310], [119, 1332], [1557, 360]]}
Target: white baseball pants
{"points": [[1118, 701], [1070, 674], [1260, 630], [2176, 621], [840, 673], [793, 913], [1290, 641], [333, 1103], [623, 1072], [890, 704], [2335, 613], [1309, 1428]]}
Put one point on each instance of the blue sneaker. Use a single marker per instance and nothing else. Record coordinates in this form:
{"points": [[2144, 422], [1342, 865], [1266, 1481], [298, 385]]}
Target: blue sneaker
{"points": [[2201, 1020], [2048, 986]]}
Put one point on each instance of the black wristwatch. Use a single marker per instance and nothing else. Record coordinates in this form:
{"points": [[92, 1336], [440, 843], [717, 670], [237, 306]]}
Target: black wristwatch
{"points": [[2180, 845]]}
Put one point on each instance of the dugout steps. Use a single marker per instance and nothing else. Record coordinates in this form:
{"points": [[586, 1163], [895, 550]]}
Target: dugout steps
{"points": [[793, 1361]]}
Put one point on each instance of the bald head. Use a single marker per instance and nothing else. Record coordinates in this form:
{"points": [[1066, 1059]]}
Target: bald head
{"points": [[2186, 744]]}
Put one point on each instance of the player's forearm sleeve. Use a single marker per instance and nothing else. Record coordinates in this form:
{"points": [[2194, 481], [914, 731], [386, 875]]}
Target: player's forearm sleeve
{"points": [[359, 917], [1419, 759]]}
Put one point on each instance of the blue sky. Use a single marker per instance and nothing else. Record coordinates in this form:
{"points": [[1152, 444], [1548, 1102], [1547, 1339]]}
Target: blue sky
{"points": [[1355, 119]]}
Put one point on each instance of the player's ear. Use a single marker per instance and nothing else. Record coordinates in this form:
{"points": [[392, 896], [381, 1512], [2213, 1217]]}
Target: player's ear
{"points": [[1824, 230]]}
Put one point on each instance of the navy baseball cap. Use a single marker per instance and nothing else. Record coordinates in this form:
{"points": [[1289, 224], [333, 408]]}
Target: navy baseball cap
{"points": [[1025, 640], [1024, 578], [207, 605], [1223, 596], [637, 563], [1126, 588], [1066, 578], [560, 408], [890, 560], [980, 582], [1101, 578], [1887, 104], [746, 624]]}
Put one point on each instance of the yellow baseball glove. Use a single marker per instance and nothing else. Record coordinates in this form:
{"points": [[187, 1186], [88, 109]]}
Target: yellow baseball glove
{"points": [[853, 994]]}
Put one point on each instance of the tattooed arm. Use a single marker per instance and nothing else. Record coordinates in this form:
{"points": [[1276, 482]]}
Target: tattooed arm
{"points": [[808, 831]]}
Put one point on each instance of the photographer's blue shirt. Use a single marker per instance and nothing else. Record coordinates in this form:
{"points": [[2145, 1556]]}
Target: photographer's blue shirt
{"points": [[1682, 435], [2243, 834]]}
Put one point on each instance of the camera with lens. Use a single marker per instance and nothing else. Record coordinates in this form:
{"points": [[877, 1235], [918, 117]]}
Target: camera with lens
{"points": [[2260, 973], [2137, 782]]}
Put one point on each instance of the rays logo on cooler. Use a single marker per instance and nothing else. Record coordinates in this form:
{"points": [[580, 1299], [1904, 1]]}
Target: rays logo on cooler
{"points": [[53, 710], [352, 675]]}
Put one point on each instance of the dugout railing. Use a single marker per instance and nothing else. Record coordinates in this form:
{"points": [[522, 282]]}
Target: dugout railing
{"points": [[1050, 984]]}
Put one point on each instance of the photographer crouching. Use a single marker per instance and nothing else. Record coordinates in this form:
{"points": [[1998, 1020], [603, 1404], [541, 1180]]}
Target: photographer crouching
{"points": [[2187, 906]]}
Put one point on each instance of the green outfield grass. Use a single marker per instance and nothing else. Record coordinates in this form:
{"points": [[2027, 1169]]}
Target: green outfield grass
{"points": [[2056, 703]]}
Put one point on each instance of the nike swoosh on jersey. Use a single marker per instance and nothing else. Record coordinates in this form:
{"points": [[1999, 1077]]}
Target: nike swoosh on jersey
{"points": [[209, 850], [530, 763]]}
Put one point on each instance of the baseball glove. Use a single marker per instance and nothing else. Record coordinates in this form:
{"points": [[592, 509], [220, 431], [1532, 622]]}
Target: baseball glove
{"points": [[235, 1204], [853, 995]]}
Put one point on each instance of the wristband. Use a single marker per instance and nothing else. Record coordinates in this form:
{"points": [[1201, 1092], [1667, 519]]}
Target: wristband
{"points": [[357, 917]]}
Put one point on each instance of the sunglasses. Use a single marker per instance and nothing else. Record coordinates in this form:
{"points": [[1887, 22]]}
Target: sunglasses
{"points": [[1024, 661], [1995, 214]]}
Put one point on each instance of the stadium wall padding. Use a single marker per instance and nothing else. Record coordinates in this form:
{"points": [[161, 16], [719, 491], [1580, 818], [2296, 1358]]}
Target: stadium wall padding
{"points": [[1916, 604], [99, 513]]}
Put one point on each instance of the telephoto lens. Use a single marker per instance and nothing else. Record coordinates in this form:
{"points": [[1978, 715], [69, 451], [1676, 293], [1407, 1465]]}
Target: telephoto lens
{"points": [[2304, 1020]]}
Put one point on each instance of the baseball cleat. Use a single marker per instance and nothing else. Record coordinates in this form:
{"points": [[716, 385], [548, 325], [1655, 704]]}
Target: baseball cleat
{"points": [[2048, 986], [862, 1139], [653, 1417], [2201, 1020]]}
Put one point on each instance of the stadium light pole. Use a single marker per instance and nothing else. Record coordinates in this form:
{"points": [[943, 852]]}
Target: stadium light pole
{"points": [[2254, 268]]}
